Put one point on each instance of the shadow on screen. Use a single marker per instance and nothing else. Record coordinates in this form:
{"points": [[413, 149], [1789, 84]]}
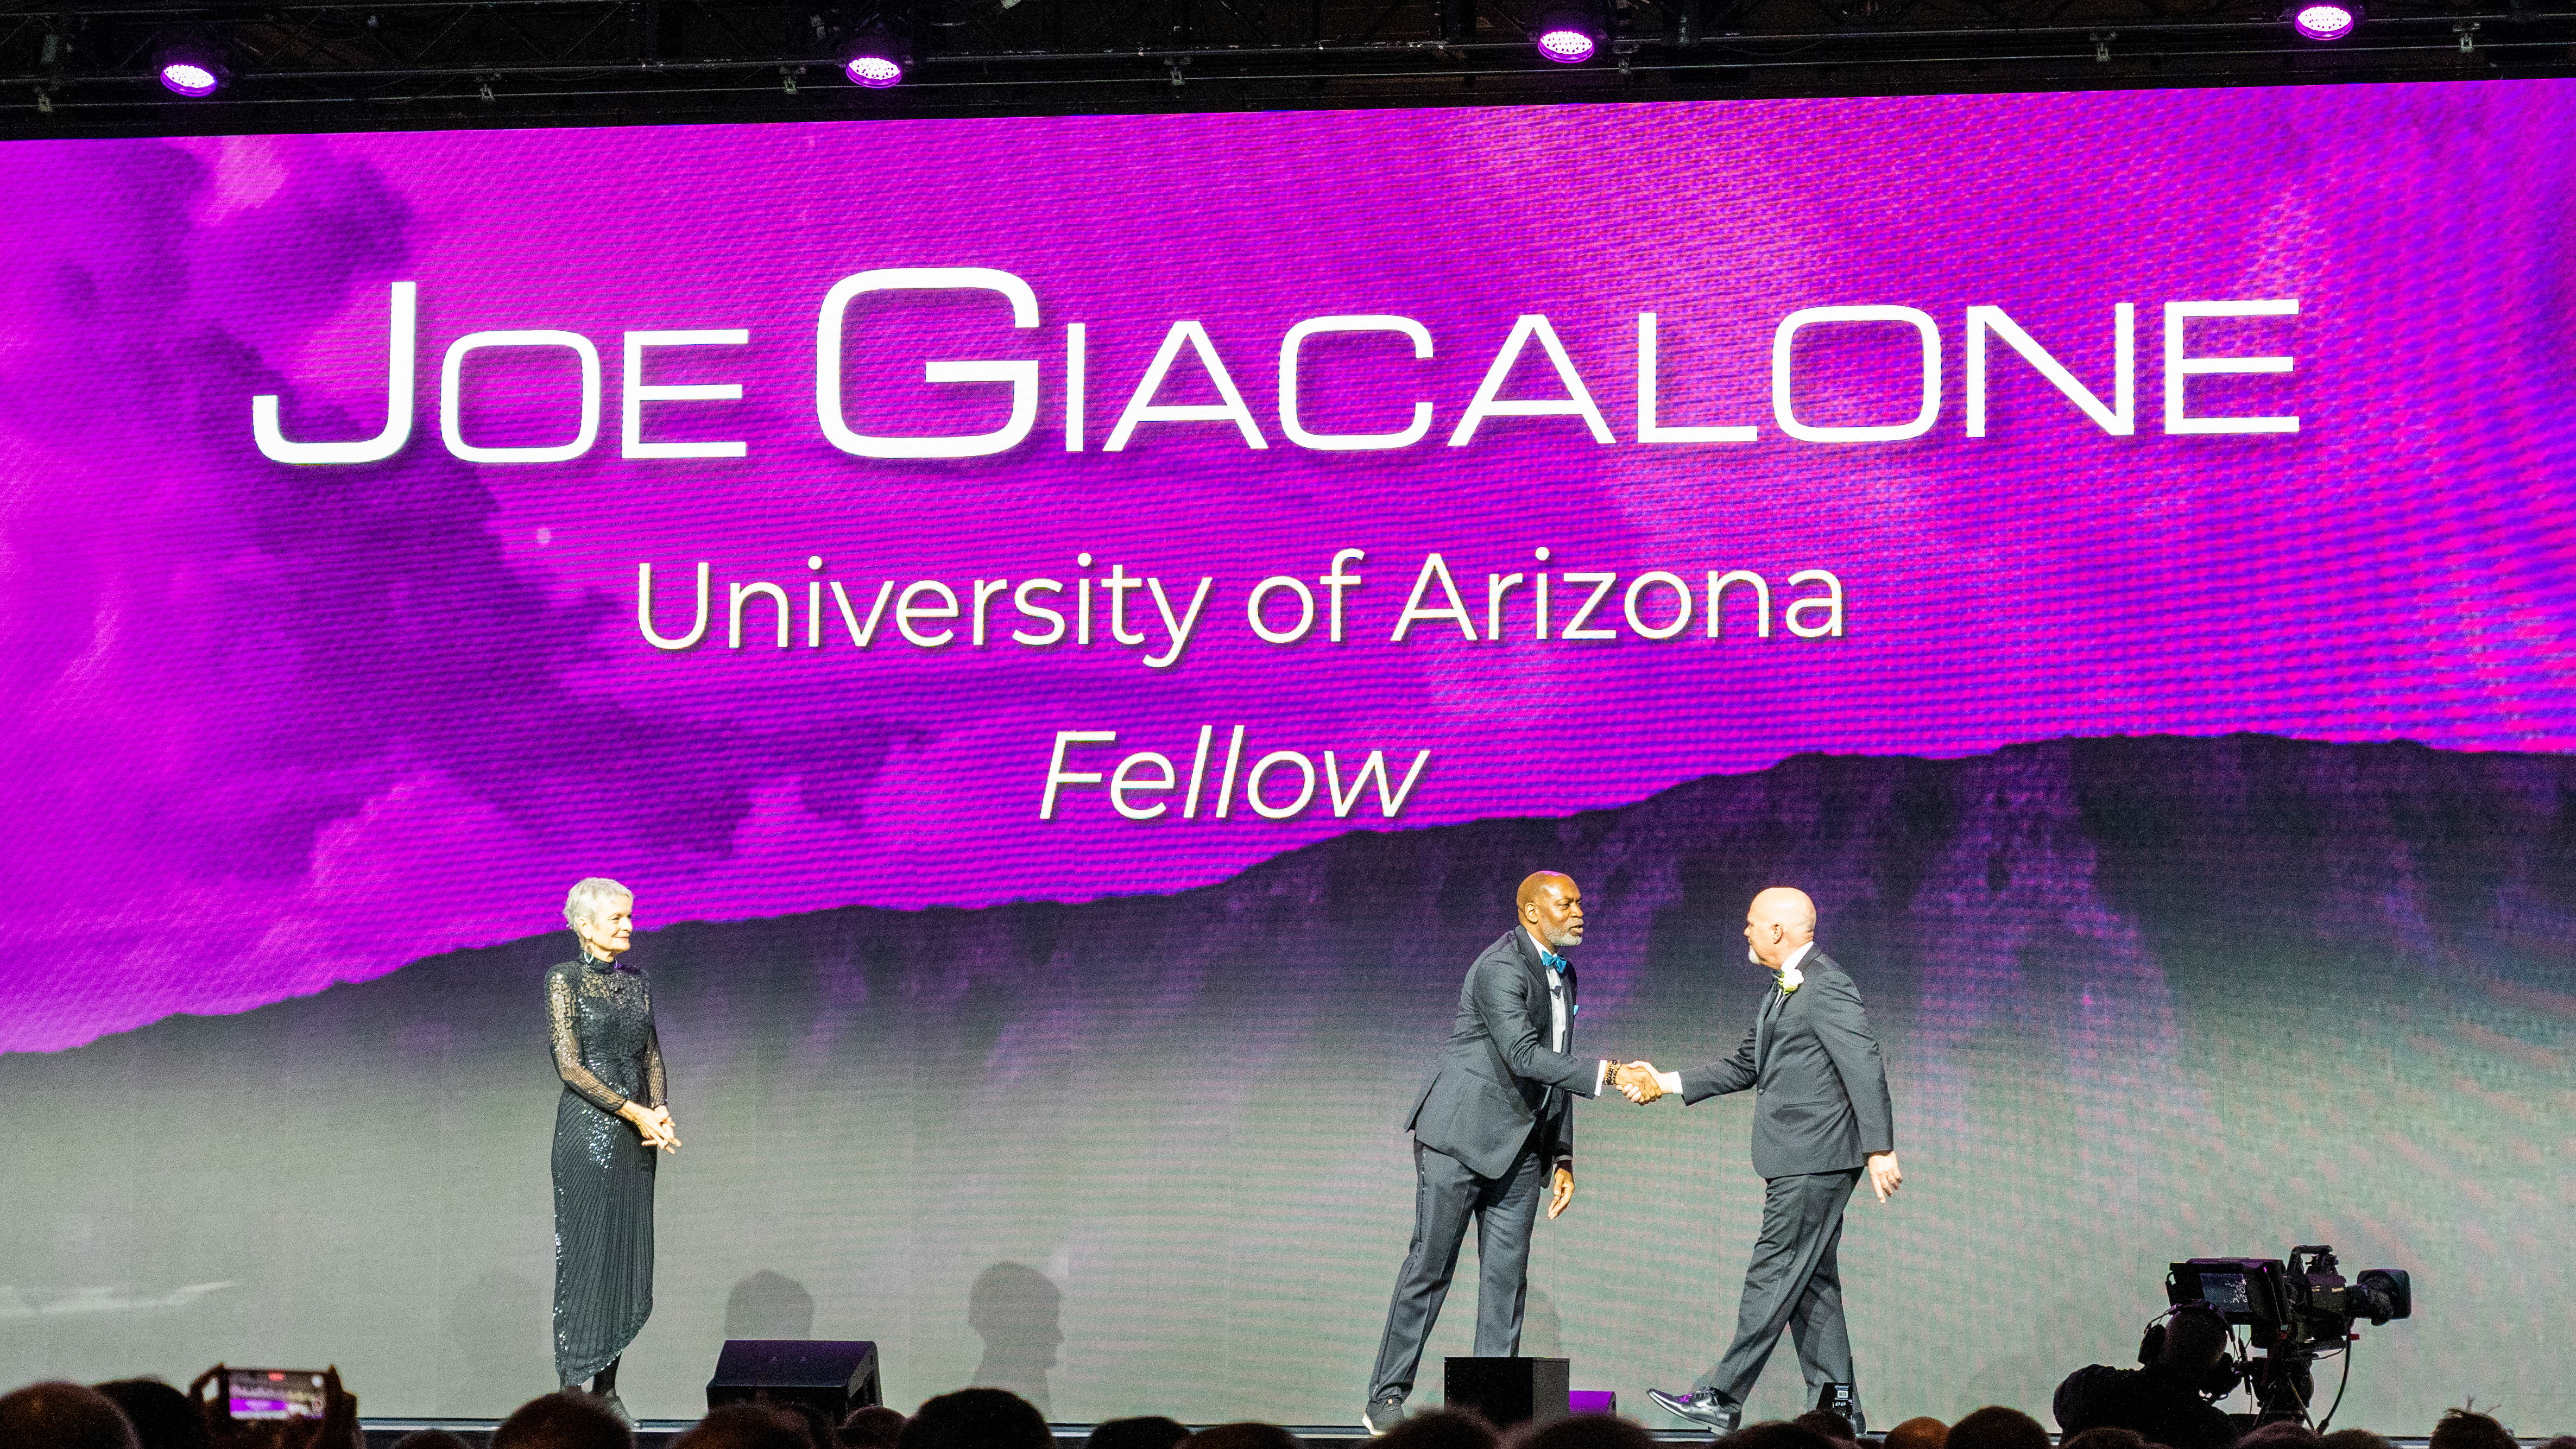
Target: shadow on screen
{"points": [[497, 1332], [769, 1305], [2064, 1337], [1019, 1313]]}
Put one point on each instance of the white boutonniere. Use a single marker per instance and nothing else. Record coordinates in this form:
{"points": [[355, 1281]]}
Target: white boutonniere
{"points": [[1790, 978]]}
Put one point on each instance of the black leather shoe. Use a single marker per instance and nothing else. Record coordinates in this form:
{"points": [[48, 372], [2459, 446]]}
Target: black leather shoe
{"points": [[1383, 1413], [1701, 1406]]}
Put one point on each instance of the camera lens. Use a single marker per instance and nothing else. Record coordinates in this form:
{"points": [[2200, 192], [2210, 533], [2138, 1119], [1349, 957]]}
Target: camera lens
{"points": [[2385, 1293]]}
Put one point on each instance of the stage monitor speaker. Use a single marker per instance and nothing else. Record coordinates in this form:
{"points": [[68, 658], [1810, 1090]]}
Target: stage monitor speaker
{"points": [[833, 1376], [1509, 1391]]}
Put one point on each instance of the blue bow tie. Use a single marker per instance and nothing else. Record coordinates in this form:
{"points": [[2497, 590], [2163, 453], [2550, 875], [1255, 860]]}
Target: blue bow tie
{"points": [[1556, 969]]}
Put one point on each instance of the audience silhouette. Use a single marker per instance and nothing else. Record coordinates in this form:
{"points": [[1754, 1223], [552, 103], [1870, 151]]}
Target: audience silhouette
{"points": [[145, 1413]]}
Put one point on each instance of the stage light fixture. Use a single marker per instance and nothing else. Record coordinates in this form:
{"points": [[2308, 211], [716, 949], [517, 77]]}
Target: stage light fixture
{"points": [[875, 61], [1568, 37], [2323, 19], [189, 66]]}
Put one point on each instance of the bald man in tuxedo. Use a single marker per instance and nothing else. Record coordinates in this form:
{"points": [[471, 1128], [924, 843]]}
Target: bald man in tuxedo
{"points": [[1821, 1120]]}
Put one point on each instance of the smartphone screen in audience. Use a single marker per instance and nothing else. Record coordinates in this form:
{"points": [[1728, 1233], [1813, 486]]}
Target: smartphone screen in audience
{"points": [[274, 1393]]}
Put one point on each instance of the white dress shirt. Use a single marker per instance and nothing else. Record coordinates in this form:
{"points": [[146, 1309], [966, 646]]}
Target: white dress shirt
{"points": [[1556, 1012]]}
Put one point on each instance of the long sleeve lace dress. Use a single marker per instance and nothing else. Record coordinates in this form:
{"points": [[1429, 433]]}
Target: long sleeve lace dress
{"points": [[600, 1020]]}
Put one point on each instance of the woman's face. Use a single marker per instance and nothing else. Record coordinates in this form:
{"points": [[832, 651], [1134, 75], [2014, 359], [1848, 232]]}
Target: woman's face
{"points": [[609, 930]]}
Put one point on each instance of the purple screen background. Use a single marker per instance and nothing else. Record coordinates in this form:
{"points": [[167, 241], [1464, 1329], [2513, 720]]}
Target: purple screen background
{"points": [[253, 696]]}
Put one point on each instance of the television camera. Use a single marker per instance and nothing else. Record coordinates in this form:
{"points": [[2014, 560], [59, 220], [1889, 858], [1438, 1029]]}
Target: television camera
{"points": [[2294, 1313]]}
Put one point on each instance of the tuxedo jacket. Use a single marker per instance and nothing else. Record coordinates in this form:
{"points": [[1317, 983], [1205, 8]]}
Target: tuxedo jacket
{"points": [[1821, 1102], [1497, 1078]]}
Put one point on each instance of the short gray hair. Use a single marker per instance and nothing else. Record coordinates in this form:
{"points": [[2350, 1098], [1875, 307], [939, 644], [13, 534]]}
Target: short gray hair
{"points": [[583, 901]]}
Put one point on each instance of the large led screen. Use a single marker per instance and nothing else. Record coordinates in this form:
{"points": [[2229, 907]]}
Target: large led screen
{"points": [[1073, 628]]}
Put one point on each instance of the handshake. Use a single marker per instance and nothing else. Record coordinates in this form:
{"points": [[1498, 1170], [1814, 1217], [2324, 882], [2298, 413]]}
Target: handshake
{"points": [[1636, 1081]]}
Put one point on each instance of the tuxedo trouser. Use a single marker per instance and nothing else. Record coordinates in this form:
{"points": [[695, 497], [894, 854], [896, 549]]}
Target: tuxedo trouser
{"points": [[1445, 1195], [1794, 1282]]}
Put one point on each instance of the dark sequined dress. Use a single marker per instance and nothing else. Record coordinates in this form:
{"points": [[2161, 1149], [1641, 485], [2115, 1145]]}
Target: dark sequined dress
{"points": [[600, 1019]]}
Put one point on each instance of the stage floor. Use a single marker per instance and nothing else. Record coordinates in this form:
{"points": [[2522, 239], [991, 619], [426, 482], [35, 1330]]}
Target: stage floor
{"points": [[659, 1433]]}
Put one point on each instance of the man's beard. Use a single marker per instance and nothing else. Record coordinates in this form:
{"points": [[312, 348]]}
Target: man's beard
{"points": [[1756, 958]]}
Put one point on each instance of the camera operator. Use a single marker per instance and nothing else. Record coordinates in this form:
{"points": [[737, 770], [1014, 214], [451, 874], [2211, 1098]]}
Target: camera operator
{"points": [[2163, 1400]]}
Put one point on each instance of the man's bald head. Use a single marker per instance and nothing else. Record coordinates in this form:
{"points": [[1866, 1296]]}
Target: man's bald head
{"points": [[1789, 906], [1537, 882], [1780, 920], [1551, 905]]}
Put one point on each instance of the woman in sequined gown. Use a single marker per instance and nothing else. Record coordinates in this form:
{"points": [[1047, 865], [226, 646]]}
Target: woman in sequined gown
{"points": [[611, 1125]]}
